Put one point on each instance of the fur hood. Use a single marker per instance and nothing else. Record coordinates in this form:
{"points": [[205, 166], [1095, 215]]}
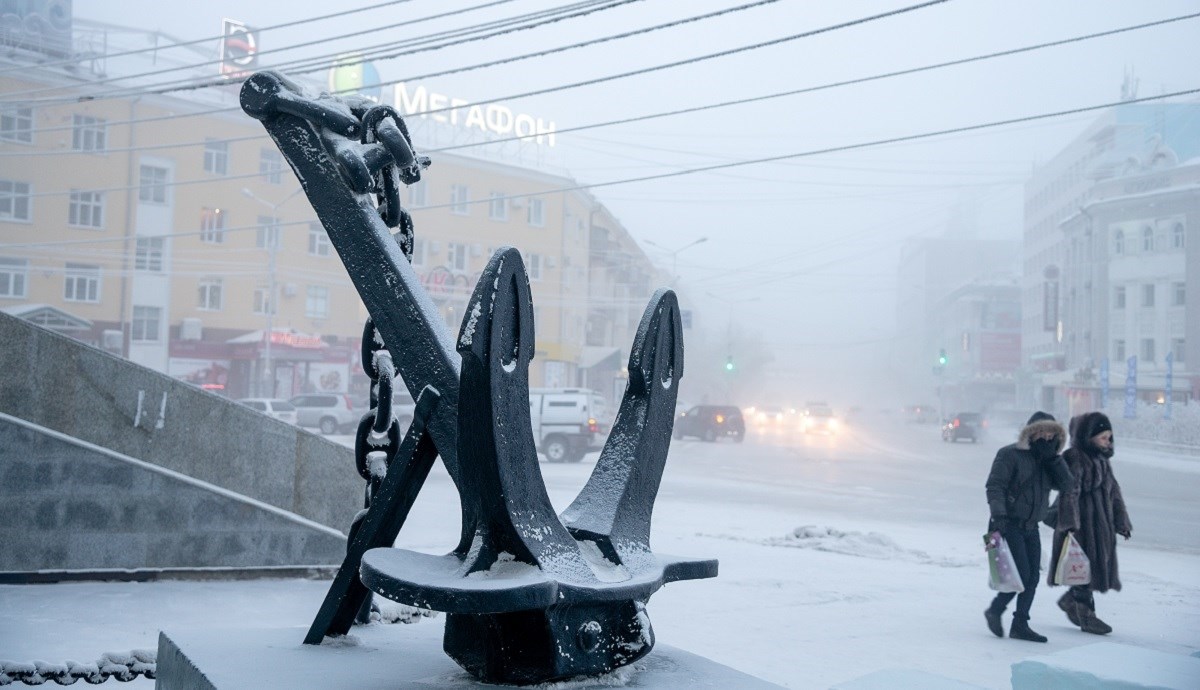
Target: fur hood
{"points": [[1085, 426], [1043, 426]]}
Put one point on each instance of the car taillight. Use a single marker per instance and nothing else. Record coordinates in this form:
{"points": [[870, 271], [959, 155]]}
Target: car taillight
{"points": [[720, 419], [593, 427], [955, 423], [983, 424], [349, 404]]}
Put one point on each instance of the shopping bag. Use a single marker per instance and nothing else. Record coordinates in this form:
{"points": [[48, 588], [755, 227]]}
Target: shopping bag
{"points": [[1073, 565], [1002, 569]]}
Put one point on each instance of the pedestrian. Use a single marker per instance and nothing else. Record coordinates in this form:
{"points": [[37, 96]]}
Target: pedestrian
{"points": [[1093, 510], [1018, 495]]}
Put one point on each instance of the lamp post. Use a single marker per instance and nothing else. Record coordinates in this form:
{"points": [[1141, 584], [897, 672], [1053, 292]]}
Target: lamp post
{"points": [[268, 387], [675, 255]]}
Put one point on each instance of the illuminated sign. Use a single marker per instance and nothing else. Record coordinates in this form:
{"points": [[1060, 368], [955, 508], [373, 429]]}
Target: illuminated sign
{"points": [[239, 50], [351, 74], [492, 118]]}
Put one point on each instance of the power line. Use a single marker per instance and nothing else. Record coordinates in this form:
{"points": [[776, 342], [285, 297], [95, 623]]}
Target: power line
{"points": [[708, 168], [325, 61], [564, 87], [181, 44]]}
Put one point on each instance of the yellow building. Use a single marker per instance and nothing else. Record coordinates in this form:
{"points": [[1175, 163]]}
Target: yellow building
{"points": [[168, 228]]}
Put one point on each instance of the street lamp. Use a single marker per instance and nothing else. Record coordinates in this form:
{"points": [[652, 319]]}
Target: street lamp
{"points": [[675, 255], [729, 323], [273, 248]]}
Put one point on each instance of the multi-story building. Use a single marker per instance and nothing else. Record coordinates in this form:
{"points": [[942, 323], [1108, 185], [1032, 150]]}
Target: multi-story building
{"points": [[1115, 145], [944, 287], [166, 227], [1130, 285], [1072, 273]]}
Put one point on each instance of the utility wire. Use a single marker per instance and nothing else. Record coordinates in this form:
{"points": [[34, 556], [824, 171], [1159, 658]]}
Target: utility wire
{"points": [[707, 168], [181, 44], [325, 61], [564, 87]]}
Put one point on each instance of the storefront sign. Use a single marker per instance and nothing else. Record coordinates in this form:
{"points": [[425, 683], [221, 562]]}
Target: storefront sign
{"points": [[492, 118]]}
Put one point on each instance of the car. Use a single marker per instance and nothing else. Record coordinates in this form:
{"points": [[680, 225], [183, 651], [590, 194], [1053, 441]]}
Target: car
{"points": [[921, 413], [282, 410], [769, 417], [818, 419], [969, 425], [568, 422], [710, 422], [329, 412]]}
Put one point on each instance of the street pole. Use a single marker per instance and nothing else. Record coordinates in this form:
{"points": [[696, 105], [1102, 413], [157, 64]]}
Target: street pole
{"points": [[675, 255], [273, 233]]}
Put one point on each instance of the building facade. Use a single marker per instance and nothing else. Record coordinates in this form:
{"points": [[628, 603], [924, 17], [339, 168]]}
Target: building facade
{"points": [[168, 228]]}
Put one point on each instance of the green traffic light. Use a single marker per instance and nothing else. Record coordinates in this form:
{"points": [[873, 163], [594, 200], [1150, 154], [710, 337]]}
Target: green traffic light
{"points": [[729, 364], [942, 359]]}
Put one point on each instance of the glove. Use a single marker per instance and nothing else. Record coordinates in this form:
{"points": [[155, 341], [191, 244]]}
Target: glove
{"points": [[1126, 533], [996, 525]]}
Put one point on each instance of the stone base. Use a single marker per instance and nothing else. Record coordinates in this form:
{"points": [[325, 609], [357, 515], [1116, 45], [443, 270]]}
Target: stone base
{"points": [[1108, 665], [382, 656]]}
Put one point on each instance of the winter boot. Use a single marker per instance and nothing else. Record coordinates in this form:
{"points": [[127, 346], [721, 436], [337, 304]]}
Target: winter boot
{"points": [[993, 621], [1020, 630], [1068, 604], [1089, 623]]}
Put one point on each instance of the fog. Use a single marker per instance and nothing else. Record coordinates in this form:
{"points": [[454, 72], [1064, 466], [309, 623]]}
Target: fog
{"points": [[797, 277]]}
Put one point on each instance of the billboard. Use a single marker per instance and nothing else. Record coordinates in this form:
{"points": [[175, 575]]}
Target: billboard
{"points": [[239, 50]]}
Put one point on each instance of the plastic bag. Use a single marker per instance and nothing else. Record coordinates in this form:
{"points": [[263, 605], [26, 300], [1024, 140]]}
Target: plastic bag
{"points": [[1073, 565], [1002, 568]]}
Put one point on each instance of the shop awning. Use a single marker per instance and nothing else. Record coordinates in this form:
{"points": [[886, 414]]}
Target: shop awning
{"points": [[602, 356]]}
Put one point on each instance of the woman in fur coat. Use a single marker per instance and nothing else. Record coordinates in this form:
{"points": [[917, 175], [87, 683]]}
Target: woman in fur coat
{"points": [[1093, 509]]}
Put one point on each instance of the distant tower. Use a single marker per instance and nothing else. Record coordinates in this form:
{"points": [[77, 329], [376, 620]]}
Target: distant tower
{"points": [[1129, 85]]}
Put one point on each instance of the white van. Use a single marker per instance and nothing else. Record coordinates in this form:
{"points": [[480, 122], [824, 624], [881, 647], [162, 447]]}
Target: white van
{"points": [[568, 422]]}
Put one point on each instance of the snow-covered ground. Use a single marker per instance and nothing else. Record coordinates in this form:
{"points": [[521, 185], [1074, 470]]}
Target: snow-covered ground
{"points": [[811, 592]]}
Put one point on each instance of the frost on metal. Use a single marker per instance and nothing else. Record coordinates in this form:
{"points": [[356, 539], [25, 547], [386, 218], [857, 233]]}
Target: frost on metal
{"points": [[530, 597]]}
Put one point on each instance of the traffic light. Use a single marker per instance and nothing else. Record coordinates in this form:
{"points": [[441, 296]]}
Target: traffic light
{"points": [[942, 357], [729, 363]]}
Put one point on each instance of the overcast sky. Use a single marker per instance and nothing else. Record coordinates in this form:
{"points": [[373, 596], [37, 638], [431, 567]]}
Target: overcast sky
{"points": [[809, 246]]}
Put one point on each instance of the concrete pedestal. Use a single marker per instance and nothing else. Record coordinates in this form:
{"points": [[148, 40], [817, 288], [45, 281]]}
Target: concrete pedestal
{"points": [[382, 656]]}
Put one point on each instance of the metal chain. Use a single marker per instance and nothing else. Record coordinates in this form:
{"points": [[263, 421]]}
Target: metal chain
{"points": [[123, 667]]}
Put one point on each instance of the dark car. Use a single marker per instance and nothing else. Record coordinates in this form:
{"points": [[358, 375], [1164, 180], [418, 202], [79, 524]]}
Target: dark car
{"points": [[710, 422], [969, 425]]}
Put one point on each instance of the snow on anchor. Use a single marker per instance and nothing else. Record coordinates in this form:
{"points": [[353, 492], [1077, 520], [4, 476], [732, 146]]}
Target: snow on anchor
{"points": [[530, 597]]}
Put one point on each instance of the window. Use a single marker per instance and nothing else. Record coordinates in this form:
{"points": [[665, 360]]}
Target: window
{"points": [[316, 304], [1119, 297], [535, 266], [270, 165], [146, 324], [1178, 350], [1178, 294], [216, 157], [88, 134], [1147, 239], [210, 294], [267, 235], [14, 276], [149, 256], [460, 198], [419, 251], [212, 225], [1177, 237], [87, 209], [498, 206], [318, 240], [16, 124], [457, 256], [152, 184], [82, 283], [537, 213], [1148, 295], [1119, 350], [15, 200], [418, 194], [1147, 350], [262, 300]]}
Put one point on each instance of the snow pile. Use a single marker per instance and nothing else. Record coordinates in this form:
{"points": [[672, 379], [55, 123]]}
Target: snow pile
{"points": [[1107, 664], [388, 611], [1183, 428], [869, 545]]}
